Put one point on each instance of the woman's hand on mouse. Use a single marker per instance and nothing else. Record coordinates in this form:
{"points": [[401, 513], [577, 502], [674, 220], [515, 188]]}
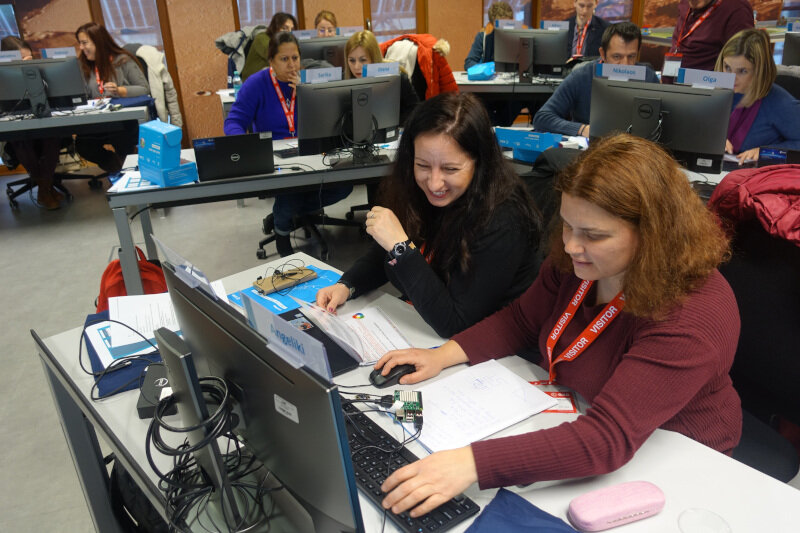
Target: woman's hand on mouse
{"points": [[427, 362]]}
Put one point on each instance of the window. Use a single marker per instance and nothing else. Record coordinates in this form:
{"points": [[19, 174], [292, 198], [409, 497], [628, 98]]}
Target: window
{"points": [[392, 18], [8, 22], [133, 21], [614, 10], [254, 12]]}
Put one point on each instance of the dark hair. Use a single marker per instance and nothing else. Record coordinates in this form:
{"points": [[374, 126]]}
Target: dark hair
{"points": [[106, 51], [448, 233], [12, 42], [680, 241], [277, 40], [627, 30], [278, 20]]}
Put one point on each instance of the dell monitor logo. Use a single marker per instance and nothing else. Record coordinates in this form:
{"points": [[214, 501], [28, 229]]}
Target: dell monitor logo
{"points": [[235, 157]]}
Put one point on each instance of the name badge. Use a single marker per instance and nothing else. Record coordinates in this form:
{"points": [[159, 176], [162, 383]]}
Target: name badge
{"points": [[55, 53], [621, 72], [672, 64], [507, 24], [554, 25], [320, 75], [10, 55], [304, 34], [706, 78], [375, 70], [347, 31]]}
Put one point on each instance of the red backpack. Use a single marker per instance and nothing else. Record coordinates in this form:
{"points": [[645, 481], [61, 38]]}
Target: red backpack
{"points": [[112, 283]]}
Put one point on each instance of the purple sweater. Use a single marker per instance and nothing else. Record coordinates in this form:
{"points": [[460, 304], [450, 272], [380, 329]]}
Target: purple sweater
{"points": [[258, 109], [638, 375]]}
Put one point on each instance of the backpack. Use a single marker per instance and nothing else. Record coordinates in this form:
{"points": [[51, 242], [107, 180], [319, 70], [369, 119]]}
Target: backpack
{"points": [[112, 283]]}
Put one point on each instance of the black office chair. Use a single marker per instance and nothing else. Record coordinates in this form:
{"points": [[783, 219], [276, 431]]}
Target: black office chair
{"points": [[763, 273], [308, 222], [789, 78]]}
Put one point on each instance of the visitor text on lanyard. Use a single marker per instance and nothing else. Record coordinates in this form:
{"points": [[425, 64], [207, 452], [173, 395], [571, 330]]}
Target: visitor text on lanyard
{"points": [[288, 109]]}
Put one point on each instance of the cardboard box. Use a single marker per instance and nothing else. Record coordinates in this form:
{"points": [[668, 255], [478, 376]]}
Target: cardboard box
{"points": [[159, 144], [186, 172], [527, 145]]}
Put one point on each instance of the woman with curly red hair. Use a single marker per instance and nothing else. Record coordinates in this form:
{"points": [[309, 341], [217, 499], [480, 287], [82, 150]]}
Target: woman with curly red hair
{"points": [[629, 310]]}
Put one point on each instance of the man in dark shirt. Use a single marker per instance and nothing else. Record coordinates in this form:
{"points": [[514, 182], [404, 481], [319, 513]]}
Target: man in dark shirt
{"points": [[704, 26], [585, 30]]}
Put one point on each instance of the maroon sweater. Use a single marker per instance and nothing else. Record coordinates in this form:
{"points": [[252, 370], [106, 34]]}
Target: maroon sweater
{"points": [[701, 48], [638, 375]]}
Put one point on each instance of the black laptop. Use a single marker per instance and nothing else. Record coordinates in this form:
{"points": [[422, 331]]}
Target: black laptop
{"points": [[234, 156]]}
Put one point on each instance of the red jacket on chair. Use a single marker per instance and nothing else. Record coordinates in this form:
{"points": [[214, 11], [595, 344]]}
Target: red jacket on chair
{"points": [[769, 194], [431, 62]]}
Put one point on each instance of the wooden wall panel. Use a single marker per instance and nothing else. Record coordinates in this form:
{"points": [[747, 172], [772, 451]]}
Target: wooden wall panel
{"points": [[348, 12], [457, 22], [52, 23]]}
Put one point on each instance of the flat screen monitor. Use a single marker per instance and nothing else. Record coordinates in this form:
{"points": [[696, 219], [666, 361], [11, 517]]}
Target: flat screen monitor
{"points": [[330, 49], [353, 113], [292, 419], [512, 51], [690, 122], [791, 49], [39, 85]]}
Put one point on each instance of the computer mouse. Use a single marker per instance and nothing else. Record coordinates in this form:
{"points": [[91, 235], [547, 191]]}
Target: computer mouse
{"points": [[381, 381]]}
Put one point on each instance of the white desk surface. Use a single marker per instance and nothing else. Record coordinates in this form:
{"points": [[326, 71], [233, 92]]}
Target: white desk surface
{"points": [[690, 474]]}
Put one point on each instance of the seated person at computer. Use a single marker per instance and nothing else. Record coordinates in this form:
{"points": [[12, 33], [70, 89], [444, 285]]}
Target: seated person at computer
{"points": [[567, 110], [585, 30], [455, 230], [38, 156], [108, 71], [266, 102], [633, 313], [258, 55], [325, 23], [362, 49], [482, 50], [764, 114]]}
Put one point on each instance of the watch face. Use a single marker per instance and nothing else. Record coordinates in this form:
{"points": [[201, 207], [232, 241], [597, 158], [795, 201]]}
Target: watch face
{"points": [[399, 248]]}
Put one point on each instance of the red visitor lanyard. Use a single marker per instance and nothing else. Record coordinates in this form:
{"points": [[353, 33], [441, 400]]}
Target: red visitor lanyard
{"points": [[696, 24], [99, 81], [579, 46], [288, 110], [588, 335]]}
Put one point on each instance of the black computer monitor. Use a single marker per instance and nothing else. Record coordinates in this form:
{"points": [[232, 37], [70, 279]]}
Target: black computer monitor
{"points": [[354, 113], [791, 49], [292, 419], [330, 49], [691, 122], [39, 85], [541, 52]]}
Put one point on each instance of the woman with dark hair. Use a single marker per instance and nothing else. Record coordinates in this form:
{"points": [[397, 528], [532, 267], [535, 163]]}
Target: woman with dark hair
{"points": [[12, 42], [266, 102], [109, 71], [258, 56], [455, 230], [629, 310]]}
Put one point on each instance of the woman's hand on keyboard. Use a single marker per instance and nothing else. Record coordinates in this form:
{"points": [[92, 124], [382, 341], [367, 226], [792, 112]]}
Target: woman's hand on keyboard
{"points": [[428, 483]]}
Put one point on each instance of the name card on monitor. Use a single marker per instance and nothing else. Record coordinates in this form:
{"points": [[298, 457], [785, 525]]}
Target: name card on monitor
{"points": [[55, 53], [621, 72], [347, 31], [304, 34], [375, 70], [708, 79], [320, 75], [10, 55], [506, 24], [554, 25]]}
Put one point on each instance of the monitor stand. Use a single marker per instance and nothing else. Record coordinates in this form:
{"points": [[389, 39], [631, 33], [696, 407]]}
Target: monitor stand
{"points": [[37, 94], [362, 157], [364, 126], [527, 47]]}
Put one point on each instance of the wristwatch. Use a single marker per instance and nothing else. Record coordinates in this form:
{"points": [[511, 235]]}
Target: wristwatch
{"points": [[400, 248], [349, 288]]}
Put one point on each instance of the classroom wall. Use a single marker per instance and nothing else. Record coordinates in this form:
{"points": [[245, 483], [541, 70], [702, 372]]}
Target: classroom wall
{"points": [[457, 22], [348, 12], [52, 23]]}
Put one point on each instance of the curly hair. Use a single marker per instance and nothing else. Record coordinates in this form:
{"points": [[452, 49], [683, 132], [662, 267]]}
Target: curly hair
{"points": [[680, 240], [448, 232], [500, 10]]}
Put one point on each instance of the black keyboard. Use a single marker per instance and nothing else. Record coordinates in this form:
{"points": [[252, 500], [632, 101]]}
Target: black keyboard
{"points": [[286, 153], [373, 465]]}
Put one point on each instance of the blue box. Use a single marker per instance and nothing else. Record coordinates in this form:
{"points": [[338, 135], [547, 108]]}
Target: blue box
{"points": [[159, 144], [186, 172], [526, 145]]}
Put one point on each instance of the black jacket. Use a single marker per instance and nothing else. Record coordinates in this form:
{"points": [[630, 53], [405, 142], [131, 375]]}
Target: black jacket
{"points": [[591, 48]]}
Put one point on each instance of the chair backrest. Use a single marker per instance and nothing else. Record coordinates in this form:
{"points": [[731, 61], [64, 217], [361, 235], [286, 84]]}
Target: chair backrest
{"points": [[764, 273], [789, 78]]}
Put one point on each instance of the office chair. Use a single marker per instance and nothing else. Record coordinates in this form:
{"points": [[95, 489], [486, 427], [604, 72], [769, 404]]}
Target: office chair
{"points": [[763, 273], [308, 222], [789, 78]]}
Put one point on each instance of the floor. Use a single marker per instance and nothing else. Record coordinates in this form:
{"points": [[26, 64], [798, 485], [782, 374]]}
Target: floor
{"points": [[51, 263]]}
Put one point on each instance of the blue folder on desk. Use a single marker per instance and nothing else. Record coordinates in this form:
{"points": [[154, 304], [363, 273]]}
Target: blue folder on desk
{"points": [[124, 379]]}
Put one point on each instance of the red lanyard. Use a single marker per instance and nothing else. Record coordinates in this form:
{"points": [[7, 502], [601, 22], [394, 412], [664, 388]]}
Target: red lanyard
{"points": [[696, 24], [99, 81], [590, 332], [288, 110], [579, 45]]}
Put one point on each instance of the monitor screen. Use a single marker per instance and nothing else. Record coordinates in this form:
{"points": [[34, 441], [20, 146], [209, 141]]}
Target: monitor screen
{"points": [[327, 118], [40, 85], [330, 49], [667, 114], [291, 419], [791, 49], [8, 20], [549, 53]]}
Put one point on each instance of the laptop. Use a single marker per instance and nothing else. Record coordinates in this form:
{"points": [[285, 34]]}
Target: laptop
{"points": [[234, 156]]}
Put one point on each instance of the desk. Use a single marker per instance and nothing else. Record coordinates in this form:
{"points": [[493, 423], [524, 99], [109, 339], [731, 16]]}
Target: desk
{"points": [[663, 36], [226, 99], [690, 474], [216, 191], [504, 84], [64, 125]]}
